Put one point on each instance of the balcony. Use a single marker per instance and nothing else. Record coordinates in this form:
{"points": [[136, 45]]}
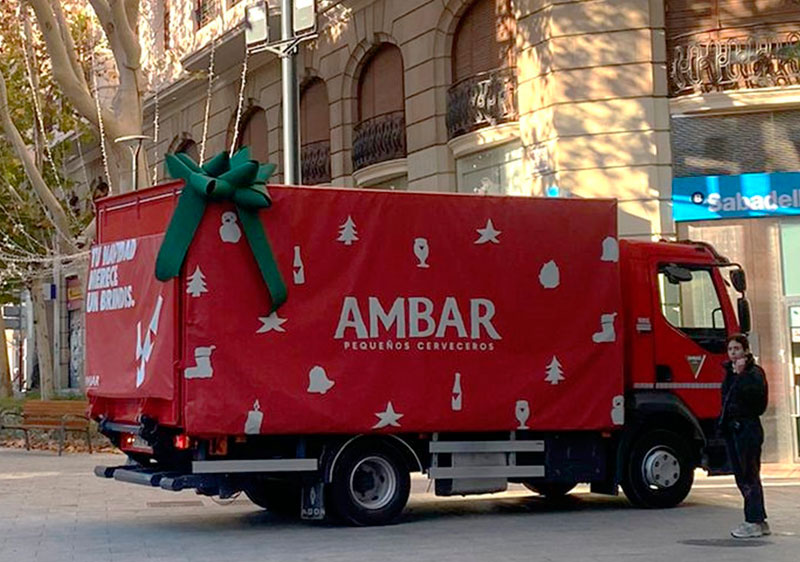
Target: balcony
{"points": [[315, 158], [379, 139], [484, 100], [706, 63]]}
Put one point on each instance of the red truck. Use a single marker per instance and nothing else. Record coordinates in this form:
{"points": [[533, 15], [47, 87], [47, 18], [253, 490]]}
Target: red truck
{"points": [[479, 340]]}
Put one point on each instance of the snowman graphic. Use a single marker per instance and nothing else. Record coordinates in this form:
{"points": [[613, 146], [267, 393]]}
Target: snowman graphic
{"points": [[229, 231]]}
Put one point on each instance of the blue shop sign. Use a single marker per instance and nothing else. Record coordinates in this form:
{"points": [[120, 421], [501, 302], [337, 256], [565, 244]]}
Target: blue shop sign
{"points": [[745, 195]]}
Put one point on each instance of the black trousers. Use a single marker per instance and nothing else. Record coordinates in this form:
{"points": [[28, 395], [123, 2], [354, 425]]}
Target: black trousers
{"points": [[744, 439]]}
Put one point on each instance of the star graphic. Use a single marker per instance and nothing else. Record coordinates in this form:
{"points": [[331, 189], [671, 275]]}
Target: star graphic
{"points": [[488, 234], [387, 417], [271, 322]]}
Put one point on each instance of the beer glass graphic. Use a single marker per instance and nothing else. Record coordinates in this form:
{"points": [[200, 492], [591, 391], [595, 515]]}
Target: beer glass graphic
{"points": [[421, 250], [523, 412]]}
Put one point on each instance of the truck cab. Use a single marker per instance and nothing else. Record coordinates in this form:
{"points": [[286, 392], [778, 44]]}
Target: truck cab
{"points": [[678, 317]]}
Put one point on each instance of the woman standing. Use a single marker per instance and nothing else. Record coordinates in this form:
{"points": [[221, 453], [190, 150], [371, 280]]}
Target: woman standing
{"points": [[744, 399]]}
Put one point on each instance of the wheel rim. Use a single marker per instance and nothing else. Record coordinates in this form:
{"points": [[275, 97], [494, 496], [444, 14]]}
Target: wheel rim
{"points": [[373, 483], [661, 468]]}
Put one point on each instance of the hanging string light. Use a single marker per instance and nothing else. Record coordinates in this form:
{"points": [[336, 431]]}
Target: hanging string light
{"points": [[208, 99]]}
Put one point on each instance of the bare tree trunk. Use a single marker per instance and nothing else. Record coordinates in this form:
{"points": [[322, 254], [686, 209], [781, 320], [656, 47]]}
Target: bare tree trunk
{"points": [[44, 343], [5, 368]]}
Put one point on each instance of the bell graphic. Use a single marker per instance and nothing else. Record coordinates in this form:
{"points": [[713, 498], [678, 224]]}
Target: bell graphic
{"points": [[610, 250], [318, 381]]}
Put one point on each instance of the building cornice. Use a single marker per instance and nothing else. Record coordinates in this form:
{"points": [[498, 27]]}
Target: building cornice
{"points": [[714, 103], [380, 172], [488, 137]]}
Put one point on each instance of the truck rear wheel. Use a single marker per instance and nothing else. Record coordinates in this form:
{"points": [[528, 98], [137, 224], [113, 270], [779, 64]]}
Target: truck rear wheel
{"points": [[276, 496], [370, 484], [551, 490], [659, 471]]}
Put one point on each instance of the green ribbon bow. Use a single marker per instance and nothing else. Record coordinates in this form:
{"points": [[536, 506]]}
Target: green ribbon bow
{"points": [[234, 178]]}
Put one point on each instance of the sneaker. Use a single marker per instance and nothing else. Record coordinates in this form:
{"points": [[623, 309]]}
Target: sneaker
{"points": [[765, 530], [747, 531]]}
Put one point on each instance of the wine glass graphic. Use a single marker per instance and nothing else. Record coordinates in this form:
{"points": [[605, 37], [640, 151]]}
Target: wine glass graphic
{"points": [[523, 412], [421, 250]]}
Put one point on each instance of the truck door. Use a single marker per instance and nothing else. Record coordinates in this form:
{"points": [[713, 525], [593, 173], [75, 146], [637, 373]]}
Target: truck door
{"points": [[690, 333]]}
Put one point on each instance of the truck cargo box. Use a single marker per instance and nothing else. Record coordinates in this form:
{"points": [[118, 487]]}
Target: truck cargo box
{"points": [[406, 312]]}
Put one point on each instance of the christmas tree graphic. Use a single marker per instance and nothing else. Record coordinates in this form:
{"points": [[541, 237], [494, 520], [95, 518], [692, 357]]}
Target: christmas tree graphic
{"points": [[196, 284], [554, 372], [347, 232]]}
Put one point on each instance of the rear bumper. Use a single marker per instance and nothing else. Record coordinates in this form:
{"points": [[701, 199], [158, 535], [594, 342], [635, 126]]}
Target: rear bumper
{"points": [[155, 478]]}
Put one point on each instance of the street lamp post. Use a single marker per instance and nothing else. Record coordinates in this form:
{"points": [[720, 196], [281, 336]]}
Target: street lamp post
{"points": [[291, 137], [134, 144]]}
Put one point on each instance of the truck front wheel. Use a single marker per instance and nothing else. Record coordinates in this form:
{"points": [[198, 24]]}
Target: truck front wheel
{"points": [[658, 471], [370, 484]]}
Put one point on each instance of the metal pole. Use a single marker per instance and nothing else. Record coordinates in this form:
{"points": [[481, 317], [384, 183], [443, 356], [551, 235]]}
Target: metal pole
{"points": [[291, 137]]}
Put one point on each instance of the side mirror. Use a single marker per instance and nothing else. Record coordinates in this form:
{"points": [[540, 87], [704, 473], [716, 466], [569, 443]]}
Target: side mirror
{"points": [[744, 315], [677, 274], [739, 280]]}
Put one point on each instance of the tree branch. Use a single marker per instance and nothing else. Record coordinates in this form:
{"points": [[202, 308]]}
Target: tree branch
{"points": [[55, 212], [126, 36], [69, 44], [74, 88]]}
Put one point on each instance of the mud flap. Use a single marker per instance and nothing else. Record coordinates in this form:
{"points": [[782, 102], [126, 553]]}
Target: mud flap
{"points": [[313, 501]]}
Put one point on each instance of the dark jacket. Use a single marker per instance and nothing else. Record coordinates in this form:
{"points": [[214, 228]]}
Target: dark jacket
{"points": [[744, 395]]}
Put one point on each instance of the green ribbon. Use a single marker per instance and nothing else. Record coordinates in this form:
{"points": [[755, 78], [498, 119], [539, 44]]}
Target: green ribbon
{"points": [[234, 178]]}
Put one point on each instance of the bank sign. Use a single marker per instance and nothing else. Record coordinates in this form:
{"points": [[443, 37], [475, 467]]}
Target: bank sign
{"points": [[740, 196]]}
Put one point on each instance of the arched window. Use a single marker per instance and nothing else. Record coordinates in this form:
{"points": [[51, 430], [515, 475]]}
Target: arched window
{"points": [[315, 151], [484, 90], [189, 147], [380, 134], [253, 133], [484, 39]]}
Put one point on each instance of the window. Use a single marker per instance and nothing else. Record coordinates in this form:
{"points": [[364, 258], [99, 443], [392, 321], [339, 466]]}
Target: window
{"points": [[484, 39], [380, 134], [497, 171], [790, 250], [206, 11], [189, 147], [253, 133], [689, 302], [315, 133]]}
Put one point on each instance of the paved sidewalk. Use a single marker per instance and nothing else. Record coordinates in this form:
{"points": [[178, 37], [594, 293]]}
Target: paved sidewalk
{"points": [[53, 509]]}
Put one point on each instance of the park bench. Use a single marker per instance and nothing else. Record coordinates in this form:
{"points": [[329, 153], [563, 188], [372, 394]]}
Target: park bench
{"points": [[60, 415]]}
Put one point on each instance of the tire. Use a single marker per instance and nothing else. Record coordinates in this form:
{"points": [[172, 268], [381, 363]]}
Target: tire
{"points": [[370, 484], [659, 471], [280, 497], [551, 490]]}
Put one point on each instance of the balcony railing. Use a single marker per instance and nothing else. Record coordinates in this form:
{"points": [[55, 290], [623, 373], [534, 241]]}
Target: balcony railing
{"points": [[704, 63], [315, 158], [379, 139], [483, 100]]}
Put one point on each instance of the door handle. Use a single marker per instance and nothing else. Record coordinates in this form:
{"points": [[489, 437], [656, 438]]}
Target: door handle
{"points": [[663, 373]]}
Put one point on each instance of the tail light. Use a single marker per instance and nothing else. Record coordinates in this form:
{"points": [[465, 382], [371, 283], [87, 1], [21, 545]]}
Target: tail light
{"points": [[182, 442], [133, 442]]}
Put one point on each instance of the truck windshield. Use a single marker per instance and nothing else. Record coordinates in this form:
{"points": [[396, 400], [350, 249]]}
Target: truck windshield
{"points": [[692, 306]]}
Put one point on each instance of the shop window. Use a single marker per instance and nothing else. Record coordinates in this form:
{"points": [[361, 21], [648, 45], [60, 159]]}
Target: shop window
{"points": [[790, 250], [497, 171]]}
